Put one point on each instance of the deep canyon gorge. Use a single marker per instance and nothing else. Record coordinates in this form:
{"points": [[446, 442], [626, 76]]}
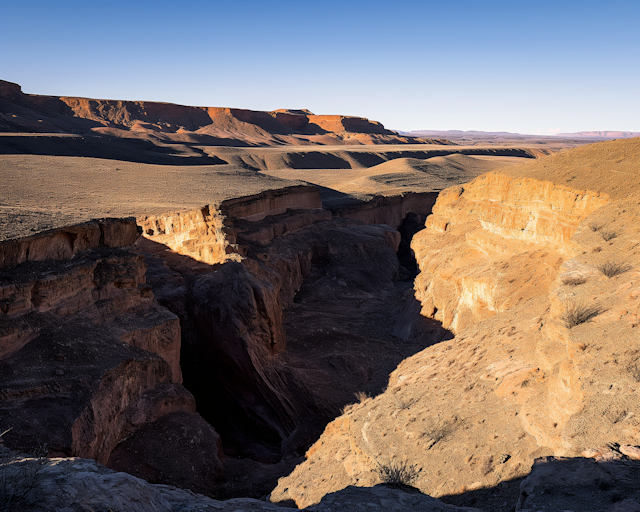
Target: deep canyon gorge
{"points": [[471, 313]]}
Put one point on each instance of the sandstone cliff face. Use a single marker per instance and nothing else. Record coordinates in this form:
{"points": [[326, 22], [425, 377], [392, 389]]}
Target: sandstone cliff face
{"points": [[502, 261], [493, 243], [87, 356], [207, 235], [180, 123], [261, 330]]}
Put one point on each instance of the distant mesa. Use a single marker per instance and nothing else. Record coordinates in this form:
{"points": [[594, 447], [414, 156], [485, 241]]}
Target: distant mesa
{"points": [[167, 123]]}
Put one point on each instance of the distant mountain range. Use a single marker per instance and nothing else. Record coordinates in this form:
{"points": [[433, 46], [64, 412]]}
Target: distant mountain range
{"points": [[480, 135], [605, 134]]}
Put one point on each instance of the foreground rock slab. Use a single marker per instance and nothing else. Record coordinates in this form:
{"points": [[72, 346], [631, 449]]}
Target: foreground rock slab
{"points": [[559, 484], [72, 485]]}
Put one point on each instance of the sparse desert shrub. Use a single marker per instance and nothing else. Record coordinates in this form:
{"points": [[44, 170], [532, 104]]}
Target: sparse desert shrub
{"points": [[613, 268], [608, 234], [574, 281], [398, 474], [634, 370], [577, 313], [19, 481], [362, 396], [20, 477], [440, 430], [400, 405], [595, 226]]}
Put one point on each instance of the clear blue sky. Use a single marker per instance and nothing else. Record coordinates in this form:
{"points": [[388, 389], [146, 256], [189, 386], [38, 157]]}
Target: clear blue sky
{"points": [[523, 66]]}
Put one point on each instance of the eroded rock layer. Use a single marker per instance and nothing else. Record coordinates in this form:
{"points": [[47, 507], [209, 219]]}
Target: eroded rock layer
{"points": [[545, 359], [166, 122], [260, 323], [87, 356]]}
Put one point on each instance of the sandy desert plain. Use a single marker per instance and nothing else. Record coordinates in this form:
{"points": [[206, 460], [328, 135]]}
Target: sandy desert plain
{"points": [[221, 309]]}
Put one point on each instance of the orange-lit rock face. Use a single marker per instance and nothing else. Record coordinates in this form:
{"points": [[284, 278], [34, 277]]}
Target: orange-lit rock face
{"points": [[208, 234], [197, 233], [499, 261], [493, 243]]}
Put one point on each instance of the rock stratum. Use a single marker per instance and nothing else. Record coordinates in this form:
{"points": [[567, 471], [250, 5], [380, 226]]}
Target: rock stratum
{"points": [[219, 348], [507, 261], [169, 123]]}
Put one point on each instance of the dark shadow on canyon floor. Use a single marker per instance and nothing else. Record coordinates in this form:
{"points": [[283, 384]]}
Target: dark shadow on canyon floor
{"points": [[352, 320]]}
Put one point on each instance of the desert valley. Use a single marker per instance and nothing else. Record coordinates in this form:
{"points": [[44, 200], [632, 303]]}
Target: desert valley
{"points": [[207, 308]]}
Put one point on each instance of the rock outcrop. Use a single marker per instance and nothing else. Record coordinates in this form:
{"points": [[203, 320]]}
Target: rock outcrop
{"points": [[493, 243], [166, 122], [61, 485], [87, 356], [286, 259], [545, 358]]}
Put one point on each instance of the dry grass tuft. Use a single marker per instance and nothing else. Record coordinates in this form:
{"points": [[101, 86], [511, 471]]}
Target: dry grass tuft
{"points": [[577, 313], [609, 235], [398, 474], [362, 396], [574, 281], [20, 477], [595, 226], [613, 268]]}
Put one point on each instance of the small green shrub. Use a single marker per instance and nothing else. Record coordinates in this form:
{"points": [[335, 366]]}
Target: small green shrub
{"points": [[577, 313], [398, 474], [613, 268]]}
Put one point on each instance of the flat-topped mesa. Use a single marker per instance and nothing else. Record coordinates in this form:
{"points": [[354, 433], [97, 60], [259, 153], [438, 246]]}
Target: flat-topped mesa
{"points": [[209, 234], [208, 125], [480, 238]]}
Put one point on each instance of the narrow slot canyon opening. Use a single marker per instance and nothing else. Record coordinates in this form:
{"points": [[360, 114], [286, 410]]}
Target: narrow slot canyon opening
{"points": [[276, 347]]}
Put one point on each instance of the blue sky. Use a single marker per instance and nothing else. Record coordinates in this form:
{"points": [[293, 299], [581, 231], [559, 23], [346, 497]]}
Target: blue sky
{"points": [[522, 66]]}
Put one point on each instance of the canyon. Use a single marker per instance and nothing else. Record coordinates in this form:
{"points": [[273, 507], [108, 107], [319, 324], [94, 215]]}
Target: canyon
{"points": [[278, 323]]}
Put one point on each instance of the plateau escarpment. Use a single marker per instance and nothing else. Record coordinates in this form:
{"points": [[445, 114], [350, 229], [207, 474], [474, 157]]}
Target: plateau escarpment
{"points": [[166, 123], [506, 262]]}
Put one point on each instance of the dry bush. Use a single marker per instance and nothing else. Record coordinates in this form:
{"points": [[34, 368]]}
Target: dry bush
{"points": [[439, 431], [574, 281], [608, 235], [20, 477], [613, 268], [595, 226], [400, 405], [577, 313], [634, 370], [362, 396], [398, 474]]}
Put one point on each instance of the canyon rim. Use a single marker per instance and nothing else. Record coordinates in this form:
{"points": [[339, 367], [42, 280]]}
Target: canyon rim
{"points": [[226, 309]]}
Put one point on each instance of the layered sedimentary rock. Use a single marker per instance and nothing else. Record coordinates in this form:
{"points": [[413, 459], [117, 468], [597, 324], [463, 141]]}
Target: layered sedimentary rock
{"points": [[208, 235], [495, 242], [298, 272], [161, 122], [87, 356], [506, 262]]}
